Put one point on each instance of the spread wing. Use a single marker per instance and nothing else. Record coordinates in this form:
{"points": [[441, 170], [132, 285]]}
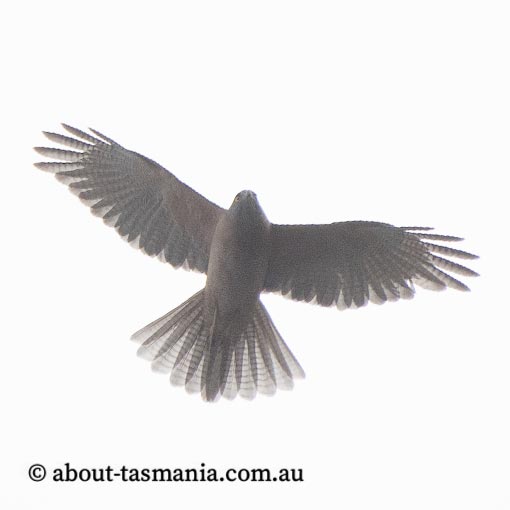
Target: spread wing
{"points": [[145, 203], [351, 263]]}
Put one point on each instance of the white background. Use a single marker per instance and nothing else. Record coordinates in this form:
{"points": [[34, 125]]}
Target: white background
{"points": [[389, 111]]}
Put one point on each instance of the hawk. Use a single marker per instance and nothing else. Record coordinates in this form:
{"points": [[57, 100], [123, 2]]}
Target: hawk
{"points": [[222, 341]]}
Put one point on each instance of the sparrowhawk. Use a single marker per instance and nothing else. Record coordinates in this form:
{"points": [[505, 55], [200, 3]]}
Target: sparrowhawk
{"points": [[222, 341]]}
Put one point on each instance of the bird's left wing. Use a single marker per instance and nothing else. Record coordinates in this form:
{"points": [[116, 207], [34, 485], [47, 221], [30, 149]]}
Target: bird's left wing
{"points": [[351, 263], [145, 203]]}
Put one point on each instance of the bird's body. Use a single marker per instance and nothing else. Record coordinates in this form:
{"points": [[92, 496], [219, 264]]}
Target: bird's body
{"points": [[237, 263], [222, 341], [235, 276]]}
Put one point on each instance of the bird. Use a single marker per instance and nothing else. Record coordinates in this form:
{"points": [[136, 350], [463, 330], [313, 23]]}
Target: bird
{"points": [[221, 342]]}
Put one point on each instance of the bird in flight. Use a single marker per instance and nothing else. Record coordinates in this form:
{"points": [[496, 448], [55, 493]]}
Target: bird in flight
{"points": [[222, 341]]}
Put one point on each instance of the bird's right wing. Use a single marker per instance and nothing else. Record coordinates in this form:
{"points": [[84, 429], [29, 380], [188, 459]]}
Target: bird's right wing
{"points": [[145, 203]]}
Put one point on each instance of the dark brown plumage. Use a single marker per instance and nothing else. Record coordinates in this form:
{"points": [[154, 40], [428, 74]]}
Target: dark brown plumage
{"points": [[221, 341]]}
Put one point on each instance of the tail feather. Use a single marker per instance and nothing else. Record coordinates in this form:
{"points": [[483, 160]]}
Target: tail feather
{"points": [[213, 369], [256, 361]]}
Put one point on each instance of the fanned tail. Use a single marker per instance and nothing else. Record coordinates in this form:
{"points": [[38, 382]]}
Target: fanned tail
{"points": [[202, 360]]}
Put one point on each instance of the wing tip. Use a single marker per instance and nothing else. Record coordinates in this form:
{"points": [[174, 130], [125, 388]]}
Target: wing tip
{"points": [[40, 150], [102, 137]]}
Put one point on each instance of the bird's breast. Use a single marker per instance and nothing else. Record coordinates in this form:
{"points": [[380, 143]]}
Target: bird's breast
{"points": [[236, 272]]}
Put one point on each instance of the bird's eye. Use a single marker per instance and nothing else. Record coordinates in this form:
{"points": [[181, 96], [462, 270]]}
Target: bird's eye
{"points": [[237, 198]]}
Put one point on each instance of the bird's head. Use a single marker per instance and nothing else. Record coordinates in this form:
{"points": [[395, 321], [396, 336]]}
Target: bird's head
{"points": [[246, 207], [245, 200]]}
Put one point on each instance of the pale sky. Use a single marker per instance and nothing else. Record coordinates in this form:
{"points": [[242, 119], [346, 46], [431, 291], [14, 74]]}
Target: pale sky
{"points": [[329, 111]]}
